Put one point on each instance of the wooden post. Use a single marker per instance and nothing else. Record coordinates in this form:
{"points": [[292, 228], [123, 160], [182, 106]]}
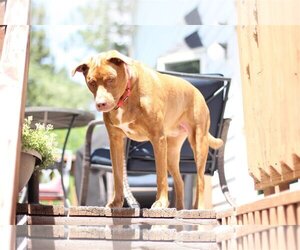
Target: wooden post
{"points": [[269, 35], [13, 84], [2, 35], [2, 11]]}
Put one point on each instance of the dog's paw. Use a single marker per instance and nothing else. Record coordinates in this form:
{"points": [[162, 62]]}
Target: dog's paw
{"points": [[198, 206], [179, 206], [115, 204], [160, 204]]}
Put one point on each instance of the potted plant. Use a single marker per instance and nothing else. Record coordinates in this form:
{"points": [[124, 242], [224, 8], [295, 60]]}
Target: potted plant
{"points": [[38, 149]]}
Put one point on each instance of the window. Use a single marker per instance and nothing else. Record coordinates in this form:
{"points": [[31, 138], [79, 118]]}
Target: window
{"points": [[192, 66], [185, 61]]}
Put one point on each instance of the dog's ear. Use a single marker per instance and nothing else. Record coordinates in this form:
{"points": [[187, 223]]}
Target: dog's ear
{"points": [[117, 58], [81, 68]]}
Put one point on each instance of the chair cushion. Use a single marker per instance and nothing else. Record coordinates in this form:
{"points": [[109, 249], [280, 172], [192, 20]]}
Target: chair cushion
{"points": [[136, 165], [101, 156]]}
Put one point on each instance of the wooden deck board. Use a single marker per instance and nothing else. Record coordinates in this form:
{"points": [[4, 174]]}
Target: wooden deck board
{"points": [[94, 211], [46, 231], [193, 214], [108, 244], [64, 220], [37, 209], [102, 211], [104, 232], [159, 213], [190, 237], [122, 232]]}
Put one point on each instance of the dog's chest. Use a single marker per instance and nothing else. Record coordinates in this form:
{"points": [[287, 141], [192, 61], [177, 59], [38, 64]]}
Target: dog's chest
{"points": [[128, 126]]}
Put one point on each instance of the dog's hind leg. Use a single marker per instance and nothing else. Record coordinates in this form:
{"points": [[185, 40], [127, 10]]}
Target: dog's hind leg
{"points": [[199, 143], [173, 155]]}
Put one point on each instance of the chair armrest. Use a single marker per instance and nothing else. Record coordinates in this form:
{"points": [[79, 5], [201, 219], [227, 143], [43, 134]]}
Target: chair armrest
{"points": [[88, 139], [87, 161]]}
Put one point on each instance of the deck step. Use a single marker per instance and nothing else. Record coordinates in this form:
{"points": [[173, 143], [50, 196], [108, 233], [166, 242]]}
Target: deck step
{"points": [[125, 228], [94, 211], [80, 220], [38, 209], [103, 211], [146, 232]]}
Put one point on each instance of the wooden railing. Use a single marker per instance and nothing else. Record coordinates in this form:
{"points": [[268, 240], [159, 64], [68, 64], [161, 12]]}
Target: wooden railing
{"points": [[281, 209], [270, 223], [269, 35]]}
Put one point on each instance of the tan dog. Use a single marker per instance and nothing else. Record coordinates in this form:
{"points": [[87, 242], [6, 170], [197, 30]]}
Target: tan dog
{"points": [[143, 104]]}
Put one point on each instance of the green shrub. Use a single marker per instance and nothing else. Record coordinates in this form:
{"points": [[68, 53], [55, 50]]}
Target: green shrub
{"points": [[41, 139]]}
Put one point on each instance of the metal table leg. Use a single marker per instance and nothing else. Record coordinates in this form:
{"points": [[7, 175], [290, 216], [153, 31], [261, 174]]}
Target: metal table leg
{"points": [[61, 164], [33, 188]]}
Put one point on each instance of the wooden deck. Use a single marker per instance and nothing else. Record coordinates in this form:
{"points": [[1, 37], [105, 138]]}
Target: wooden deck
{"points": [[55, 227], [102, 228]]}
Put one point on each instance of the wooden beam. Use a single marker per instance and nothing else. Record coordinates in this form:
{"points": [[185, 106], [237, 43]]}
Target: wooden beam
{"points": [[13, 84], [2, 12], [2, 35], [17, 12]]}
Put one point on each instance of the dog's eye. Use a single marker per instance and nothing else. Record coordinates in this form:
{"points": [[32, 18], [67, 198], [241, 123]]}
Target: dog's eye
{"points": [[92, 84], [110, 80]]}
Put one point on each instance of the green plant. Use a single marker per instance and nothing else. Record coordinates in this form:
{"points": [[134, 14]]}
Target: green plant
{"points": [[41, 139]]}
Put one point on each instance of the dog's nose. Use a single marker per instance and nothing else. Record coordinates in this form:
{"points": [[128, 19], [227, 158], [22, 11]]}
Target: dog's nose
{"points": [[101, 104]]}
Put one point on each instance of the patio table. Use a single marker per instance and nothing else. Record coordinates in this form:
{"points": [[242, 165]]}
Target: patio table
{"points": [[60, 118]]}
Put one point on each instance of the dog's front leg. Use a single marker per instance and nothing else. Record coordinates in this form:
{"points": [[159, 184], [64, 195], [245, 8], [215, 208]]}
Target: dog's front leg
{"points": [[116, 139], [160, 152]]}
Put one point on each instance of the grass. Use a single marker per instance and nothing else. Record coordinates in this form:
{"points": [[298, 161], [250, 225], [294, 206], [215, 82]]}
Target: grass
{"points": [[76, 138], [72, 192]]}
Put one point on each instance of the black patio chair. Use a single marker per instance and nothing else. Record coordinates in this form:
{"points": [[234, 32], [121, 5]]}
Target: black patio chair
{"points": [[139, 156]]}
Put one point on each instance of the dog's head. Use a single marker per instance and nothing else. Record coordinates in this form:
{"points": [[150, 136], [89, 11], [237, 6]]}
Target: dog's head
{"points": [[106, 75]]}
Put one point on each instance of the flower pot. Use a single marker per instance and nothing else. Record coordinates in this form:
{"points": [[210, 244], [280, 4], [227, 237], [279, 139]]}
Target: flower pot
{"points": [[29, 159]]}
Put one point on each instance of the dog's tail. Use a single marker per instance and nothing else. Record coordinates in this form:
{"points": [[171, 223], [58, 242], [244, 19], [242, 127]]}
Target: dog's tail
{"points": [[213, 142]]}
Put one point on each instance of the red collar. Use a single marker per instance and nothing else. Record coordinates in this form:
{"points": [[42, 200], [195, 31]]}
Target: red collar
{"points": [[127, 91]]}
